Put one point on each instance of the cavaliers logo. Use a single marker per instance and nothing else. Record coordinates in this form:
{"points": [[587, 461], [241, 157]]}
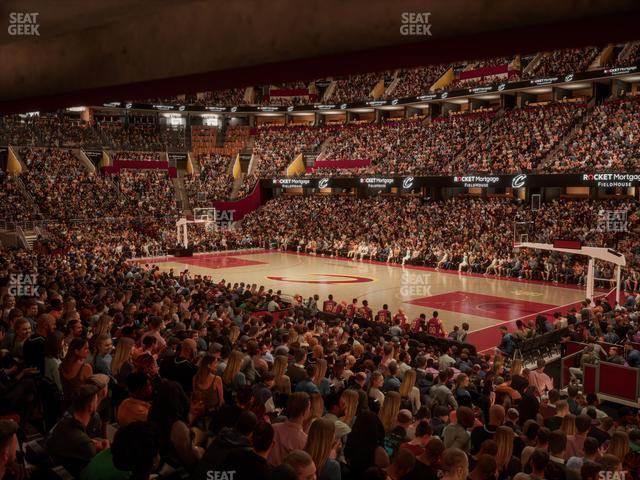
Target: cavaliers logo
{"points": [[328, 279]]}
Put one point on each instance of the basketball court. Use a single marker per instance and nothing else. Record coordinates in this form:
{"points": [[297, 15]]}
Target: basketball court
{"points": [[485, 303]]}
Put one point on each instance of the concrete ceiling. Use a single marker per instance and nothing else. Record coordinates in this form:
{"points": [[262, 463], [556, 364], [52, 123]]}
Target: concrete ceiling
{"points": [[106, 50]]}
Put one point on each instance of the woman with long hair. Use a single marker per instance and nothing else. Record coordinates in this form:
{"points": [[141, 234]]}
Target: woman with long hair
{"points": [[207, 386], [409, 392], [234, 334], [122, 364], [364, 446], [232, 377], [619, 445], [103, 326], [529, 404], [74, 369], [170, 414], [519, 381], [317, 410], [568, 425], [281, 381], [320, 379], [350, 398], [389, 412], [508, 465], [322, 445]]}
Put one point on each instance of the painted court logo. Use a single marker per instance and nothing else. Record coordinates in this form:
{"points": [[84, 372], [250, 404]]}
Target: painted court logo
{"points": [[329, 279]]}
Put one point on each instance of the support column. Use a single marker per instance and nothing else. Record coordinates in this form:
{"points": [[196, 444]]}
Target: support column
{"points": [[590, 280], [618, 272]]}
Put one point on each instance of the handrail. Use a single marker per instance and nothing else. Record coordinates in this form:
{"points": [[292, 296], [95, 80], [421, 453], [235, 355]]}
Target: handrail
{"points": [[22, 238]]}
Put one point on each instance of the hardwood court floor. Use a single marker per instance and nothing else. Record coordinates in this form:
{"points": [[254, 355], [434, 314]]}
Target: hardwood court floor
{"points": [[484, 303]]}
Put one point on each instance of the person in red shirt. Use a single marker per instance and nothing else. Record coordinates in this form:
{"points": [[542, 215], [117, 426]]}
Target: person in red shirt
{"points": [[434, 326], [419, 323], [329, 305], [401, 317], [352, 308], [340, 307], [365, 311], [384, 315]]}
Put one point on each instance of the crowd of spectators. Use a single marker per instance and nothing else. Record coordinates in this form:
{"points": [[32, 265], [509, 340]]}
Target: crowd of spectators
{"points": [[147, 192], [277, 147], [63, 189], [608, 140], [16, 207], [417, 81], [214, 182], [46, 131], [411, 231], [355, 88], [231, 96], [201, 377], [59, 130], [569, 60], [517, 141]]}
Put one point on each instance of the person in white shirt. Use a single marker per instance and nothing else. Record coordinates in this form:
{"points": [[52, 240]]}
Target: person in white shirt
{"points": [[407, 256]]}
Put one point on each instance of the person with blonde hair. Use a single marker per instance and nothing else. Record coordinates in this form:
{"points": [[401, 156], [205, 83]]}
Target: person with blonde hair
{"points": [[317, 410], [389, 411], [619, 445], [102, 326], [350, 398], [232, 377], [508, 465], [409, 392], [122, 364], [320, 378], [322, 446], [282, 383], [568, 425]]}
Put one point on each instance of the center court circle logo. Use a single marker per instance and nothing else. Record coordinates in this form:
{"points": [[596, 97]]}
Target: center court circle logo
{"points": [[329, 279]]}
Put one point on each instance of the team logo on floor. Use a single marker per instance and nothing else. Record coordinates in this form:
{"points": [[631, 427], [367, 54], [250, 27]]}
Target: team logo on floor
{"points": [[328, 279]]}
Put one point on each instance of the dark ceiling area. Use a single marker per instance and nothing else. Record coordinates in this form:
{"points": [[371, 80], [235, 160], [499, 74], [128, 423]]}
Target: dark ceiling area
{"points": [[96, 52]]}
